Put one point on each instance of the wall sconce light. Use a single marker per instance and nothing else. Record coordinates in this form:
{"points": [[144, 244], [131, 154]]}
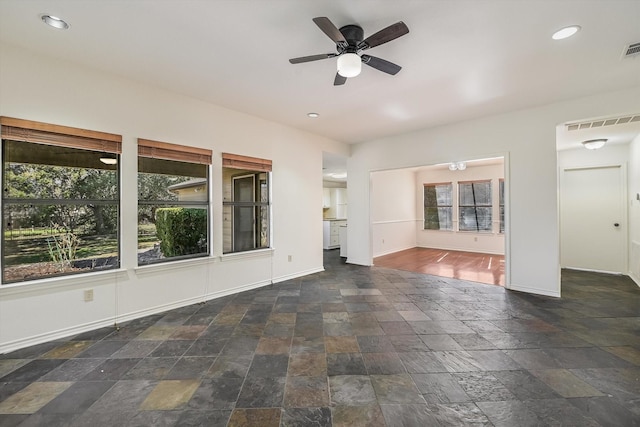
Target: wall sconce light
{"points": [[457, 166], [594, 144]]}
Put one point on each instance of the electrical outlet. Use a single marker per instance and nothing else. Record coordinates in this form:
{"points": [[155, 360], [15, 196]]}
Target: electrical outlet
{"points": [[475, 239], [290, 258], [88, 295]]}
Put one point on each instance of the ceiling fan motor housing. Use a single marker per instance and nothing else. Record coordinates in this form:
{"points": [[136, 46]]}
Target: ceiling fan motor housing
{"points": [[354, 35]]}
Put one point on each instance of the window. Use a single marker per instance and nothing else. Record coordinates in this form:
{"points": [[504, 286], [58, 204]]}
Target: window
{"points": [[246, 206], [438, 206], [501, 202], [173, 202], [475, 206], [61, 200]]}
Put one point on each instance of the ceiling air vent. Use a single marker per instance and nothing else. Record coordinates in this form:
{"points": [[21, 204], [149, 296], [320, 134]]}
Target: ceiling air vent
{"points": [[604, 122], [632, 50]]}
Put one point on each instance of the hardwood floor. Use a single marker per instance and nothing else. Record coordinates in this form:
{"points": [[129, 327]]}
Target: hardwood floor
{"points": [[476, 267]]}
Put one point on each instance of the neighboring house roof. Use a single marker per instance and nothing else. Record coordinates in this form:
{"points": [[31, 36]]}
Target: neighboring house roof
{"points": [[188, 184]]}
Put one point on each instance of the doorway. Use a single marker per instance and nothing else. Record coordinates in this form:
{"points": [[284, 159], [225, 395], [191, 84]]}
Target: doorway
{"points": [[593, 226]]}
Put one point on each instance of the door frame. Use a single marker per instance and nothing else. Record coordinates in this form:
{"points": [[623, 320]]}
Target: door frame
{"points": [[624, 220]]}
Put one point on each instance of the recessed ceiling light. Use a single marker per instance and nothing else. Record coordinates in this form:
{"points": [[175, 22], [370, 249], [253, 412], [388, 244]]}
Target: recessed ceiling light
{"points": [[565, 32], [313, 115], [55, 22]]}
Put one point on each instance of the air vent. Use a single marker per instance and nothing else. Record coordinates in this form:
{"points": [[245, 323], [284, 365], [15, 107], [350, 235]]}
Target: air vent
{"points": [[604, 122], [632, 49]]}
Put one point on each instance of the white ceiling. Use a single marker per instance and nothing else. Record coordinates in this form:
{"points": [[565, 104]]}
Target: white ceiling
{"points": [[462, 59]]}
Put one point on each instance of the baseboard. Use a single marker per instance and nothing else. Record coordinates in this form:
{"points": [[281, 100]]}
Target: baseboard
{"points": [[10, 346], [534, 291], [121, 318], [473, 250], [635, 278], [297, 274], [393, 251]]}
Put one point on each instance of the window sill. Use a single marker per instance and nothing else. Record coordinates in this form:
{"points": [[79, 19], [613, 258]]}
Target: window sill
{"points": [[173, 265], [61, 282], [258, 253]]}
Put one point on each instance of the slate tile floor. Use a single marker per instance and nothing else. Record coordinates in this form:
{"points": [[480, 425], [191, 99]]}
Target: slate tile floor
{"points": [[351, 346]]}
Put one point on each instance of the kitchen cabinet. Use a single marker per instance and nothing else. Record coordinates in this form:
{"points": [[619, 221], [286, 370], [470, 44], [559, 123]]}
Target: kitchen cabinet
{"points": [[331, 233]]}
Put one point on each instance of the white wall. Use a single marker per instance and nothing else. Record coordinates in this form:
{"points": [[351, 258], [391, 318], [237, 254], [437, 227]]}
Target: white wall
{"points": [[393, 211], [45, 89], [527, 139], [634, 209], [490, 243]]}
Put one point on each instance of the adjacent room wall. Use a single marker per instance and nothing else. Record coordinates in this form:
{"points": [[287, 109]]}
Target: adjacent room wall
{"points": [[45, 89], [393, 211], [634, 209], [489, 243], [527, 139]]}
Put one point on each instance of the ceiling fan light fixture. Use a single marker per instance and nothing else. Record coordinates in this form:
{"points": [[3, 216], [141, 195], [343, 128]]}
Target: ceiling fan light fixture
{"points": [[594, 144], [349, 65]]}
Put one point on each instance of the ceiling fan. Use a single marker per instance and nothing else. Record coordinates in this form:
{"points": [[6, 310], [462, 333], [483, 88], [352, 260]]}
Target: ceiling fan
{"points": [[350, 43]]}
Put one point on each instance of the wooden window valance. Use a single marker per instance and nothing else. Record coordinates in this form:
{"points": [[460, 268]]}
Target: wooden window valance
{"points": [[166, 151], [235, 161], [62, 136]]}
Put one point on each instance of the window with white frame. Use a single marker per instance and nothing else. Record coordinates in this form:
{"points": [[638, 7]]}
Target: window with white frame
{"points": [[475, 206], [173, 202], [438, 206], [246, 203], [61, 200]]}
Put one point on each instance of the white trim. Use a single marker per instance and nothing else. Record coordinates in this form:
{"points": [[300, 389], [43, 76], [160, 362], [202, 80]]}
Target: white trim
{"points": [[635, 279], [535, 291], [393, 251], [396, 221], [10, 346], [590, 270], [158, 309], [174, 265], [461, 249], [73, 281], [297, 274], [257, 253]]}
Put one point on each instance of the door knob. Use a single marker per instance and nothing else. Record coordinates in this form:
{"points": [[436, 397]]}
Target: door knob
{"points": [[615, 224]]}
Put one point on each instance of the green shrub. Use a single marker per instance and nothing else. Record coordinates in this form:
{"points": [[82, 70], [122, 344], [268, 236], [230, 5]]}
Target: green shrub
{"points": [[182, 231]]}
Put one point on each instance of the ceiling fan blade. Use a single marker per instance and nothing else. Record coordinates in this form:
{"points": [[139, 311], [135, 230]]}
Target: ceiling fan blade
{"points": [[339, 80], [381, 64], [310, 58], [329, 29], [385, 35]]}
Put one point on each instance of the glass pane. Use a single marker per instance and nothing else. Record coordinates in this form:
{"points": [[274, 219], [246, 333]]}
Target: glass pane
{"points": [[475, 219], [33, 181], [243, 190], [166, 232], [243, 228], [475, 194], [444, 195], [46, 240], [263, 226], [438, 218]]}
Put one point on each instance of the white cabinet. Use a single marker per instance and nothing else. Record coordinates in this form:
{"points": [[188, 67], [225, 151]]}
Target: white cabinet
{"points": [[326, 198], [331, 233], [334, 203]]}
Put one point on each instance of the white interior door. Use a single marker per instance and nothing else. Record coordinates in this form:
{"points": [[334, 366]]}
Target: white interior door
{"points": [[592, 220]]}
